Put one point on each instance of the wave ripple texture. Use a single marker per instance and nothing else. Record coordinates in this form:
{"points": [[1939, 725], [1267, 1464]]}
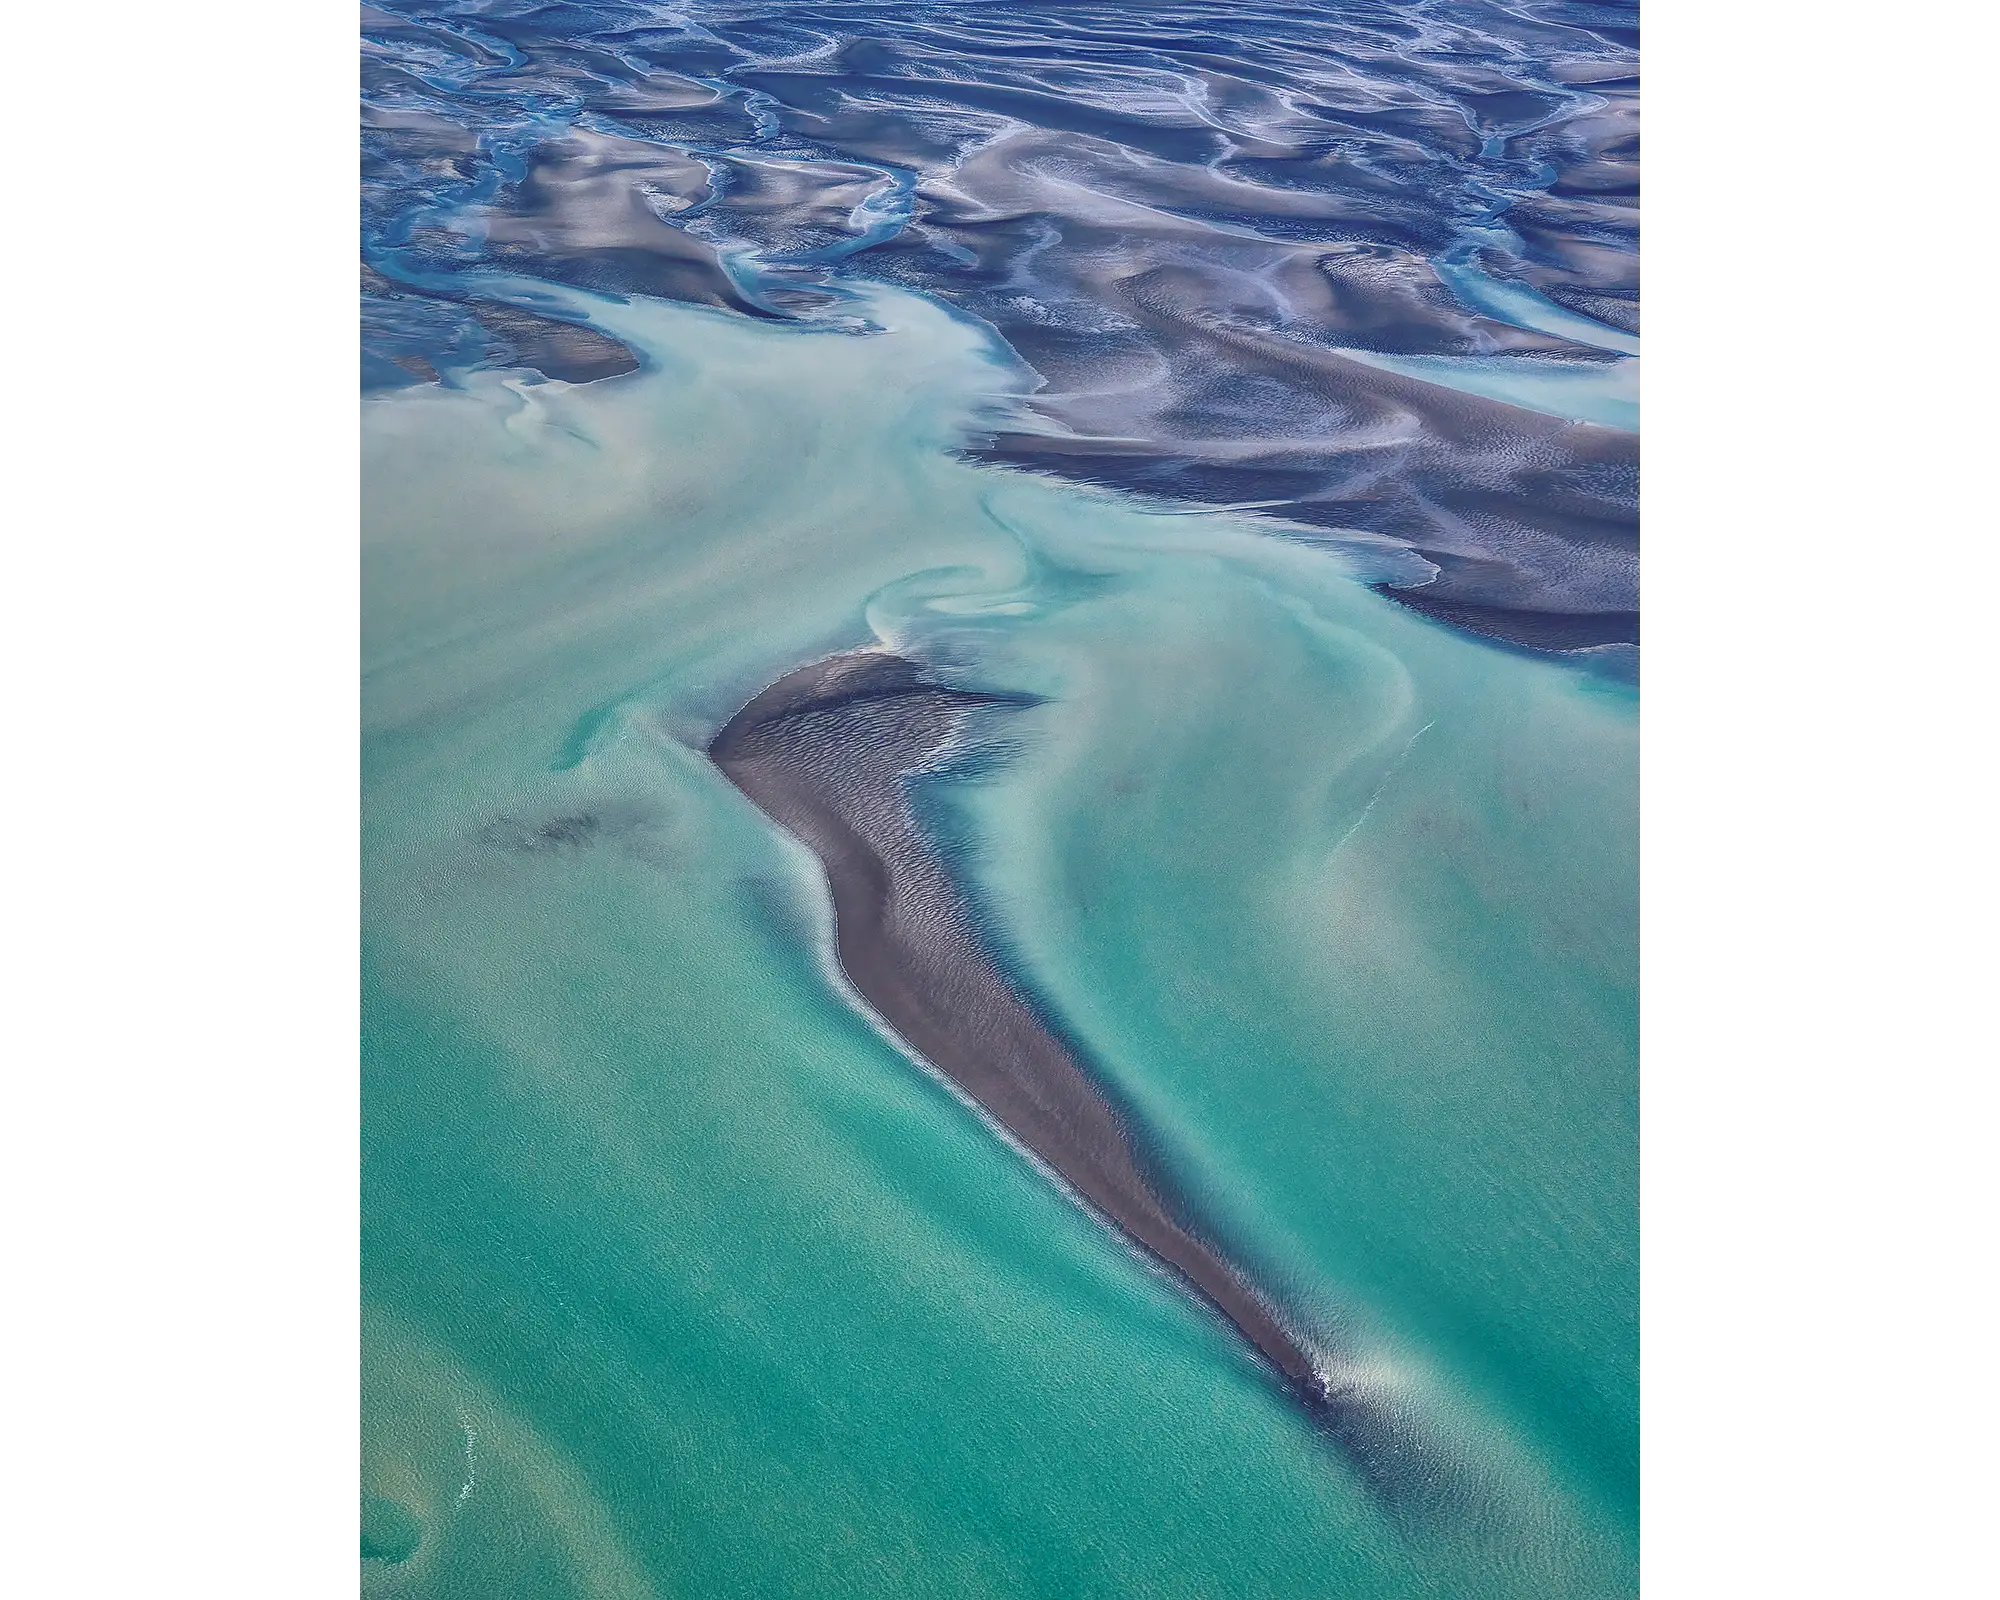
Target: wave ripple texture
{"points": [[1374, 265]]}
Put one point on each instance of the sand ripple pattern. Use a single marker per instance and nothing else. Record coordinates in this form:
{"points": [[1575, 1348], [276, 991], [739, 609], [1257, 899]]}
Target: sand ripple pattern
{"points": [[1371, 266]]}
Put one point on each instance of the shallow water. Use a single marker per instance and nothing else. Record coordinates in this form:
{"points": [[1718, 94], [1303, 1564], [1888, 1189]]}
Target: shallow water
{"points": [[681, 1277]]}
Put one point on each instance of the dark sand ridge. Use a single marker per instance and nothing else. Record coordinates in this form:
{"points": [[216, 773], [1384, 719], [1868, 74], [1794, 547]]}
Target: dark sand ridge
{"points": [[825, 752], [1174, 360]]}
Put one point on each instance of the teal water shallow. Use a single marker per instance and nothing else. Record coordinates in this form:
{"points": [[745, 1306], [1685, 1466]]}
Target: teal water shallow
{"points": [[682, 1278]]}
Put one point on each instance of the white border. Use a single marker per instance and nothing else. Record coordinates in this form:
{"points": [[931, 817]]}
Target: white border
{"points": [[1818, 1102], [181, 913]]}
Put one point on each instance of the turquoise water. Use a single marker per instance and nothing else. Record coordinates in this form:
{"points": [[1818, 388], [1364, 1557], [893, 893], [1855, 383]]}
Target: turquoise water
{"points": [[681, 1278], [1606, 393]]}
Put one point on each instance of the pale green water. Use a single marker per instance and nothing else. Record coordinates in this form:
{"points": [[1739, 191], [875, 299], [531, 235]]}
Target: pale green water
{"points": [[680, 1279]]}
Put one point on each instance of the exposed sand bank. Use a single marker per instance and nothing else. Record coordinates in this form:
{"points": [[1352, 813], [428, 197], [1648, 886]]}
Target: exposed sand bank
{"points": [[825, 752]]}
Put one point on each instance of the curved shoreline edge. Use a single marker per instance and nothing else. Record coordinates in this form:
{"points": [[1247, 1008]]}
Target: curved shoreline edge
{"points": [[825, 752]]}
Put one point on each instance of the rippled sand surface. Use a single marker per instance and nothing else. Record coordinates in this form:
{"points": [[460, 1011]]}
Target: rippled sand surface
{"points": [[1378, 262], [684, 1273]]}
